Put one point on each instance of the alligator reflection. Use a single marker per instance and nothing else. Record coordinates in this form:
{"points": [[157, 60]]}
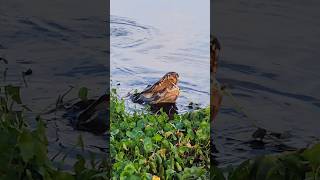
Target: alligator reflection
{"points": [[90, 115]]}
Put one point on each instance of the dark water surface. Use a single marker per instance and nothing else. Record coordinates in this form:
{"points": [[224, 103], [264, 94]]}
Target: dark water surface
{"points": [[63, 46], [270, 59]]}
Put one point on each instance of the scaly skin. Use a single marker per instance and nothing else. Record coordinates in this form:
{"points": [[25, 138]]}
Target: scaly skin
{"points": [[163, 91]]}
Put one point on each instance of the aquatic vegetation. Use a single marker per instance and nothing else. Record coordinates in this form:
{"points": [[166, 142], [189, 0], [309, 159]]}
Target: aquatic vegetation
{"points": [[143, 146], [150, 146], [302, 164], [23, 149]]}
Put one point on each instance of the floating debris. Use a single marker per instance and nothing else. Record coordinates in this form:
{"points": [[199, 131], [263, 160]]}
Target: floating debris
{"points": [[260, 133], [27, 73], [4, 60]]}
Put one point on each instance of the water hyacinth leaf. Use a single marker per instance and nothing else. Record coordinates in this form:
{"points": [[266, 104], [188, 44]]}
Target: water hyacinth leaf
{"points": [[64, 176], [241, 172], [170, 173], [129, 169], [193, 173], [149, 150], [312, 155], [130, 134], [14, 93], [142, 161], [114, 132], [296, 163], [7, 146], [157, 137], [147, 144], [275, 174], [179, 125], [120, 156], [263, 166], [26, 146], [79, 166], [83, 93], [216, 174], [202, 134]]}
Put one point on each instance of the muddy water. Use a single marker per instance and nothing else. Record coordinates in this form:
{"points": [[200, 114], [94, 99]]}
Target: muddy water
{"points": [[64, 46], [159, 37], [270, 60]]}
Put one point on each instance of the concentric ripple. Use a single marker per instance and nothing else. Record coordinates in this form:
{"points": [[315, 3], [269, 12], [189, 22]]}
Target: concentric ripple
{"points": [[126, 33]]}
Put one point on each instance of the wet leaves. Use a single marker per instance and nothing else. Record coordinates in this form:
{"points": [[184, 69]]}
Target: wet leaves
{"points": [[14, 93], [158, 147], [23, 151], [83, 93], [302, 164]]}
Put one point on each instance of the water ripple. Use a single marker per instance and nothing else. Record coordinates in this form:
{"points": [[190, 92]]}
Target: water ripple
{"points": [[126, 33]]}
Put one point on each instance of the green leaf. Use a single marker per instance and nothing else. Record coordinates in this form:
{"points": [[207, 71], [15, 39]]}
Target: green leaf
{"points": [[313, 155], [83, 93], [147, 144], [63, 176], [14, 93], [157, 138], [79, 166], [242, 172], [26, 146], [216, 174]]}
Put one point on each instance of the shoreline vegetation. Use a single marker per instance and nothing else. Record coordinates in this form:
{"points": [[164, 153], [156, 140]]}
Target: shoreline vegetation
{"points": [[143, 146], [149, 146], [24, 149], [296, 165]]}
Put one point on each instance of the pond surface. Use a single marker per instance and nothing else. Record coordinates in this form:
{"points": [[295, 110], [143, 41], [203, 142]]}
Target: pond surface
{"points": [[158, 37], [270, 60], [64, 46]]}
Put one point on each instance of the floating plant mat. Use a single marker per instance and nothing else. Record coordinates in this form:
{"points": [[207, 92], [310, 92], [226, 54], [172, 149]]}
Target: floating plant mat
{"points": [[147, 145]]}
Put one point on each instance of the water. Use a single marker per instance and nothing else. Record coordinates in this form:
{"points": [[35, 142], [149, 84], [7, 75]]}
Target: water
{"points": [[158, 37], [64, 46], [270, 60]]}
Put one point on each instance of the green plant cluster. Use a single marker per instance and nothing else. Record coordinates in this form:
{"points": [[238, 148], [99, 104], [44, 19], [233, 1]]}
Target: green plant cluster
{"points": [[148, 146], [298, 165], [23, 150]]}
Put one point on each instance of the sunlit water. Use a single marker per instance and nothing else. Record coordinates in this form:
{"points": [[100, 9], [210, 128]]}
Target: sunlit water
{"points": [[270, 59], [159, 37], [64, 47], [273, 75]]}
